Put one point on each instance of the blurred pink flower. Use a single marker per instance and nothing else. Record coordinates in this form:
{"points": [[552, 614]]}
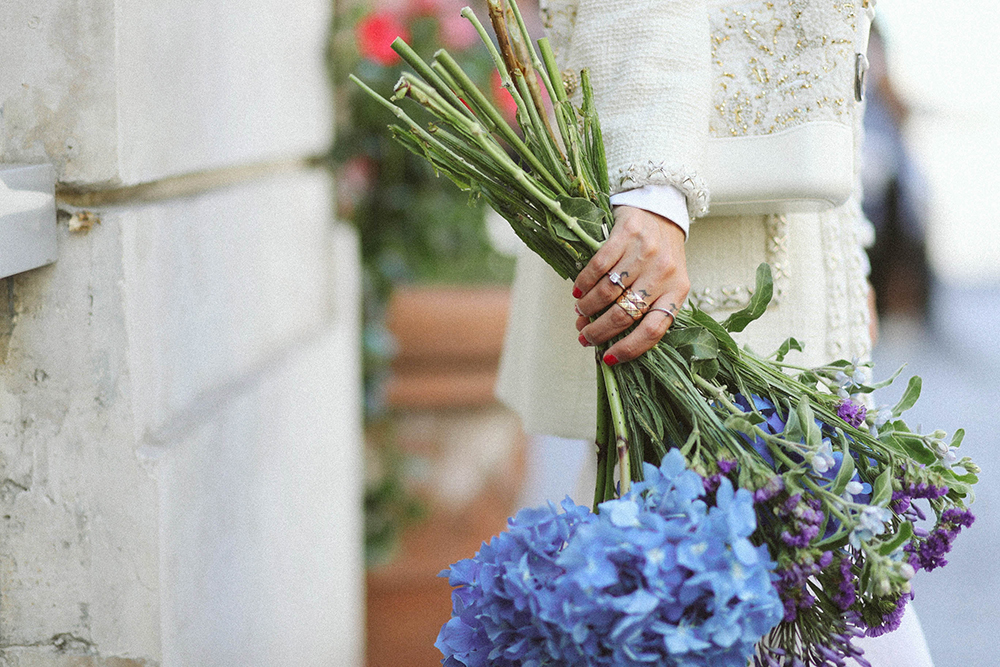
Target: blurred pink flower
{"points": [[374, 35], [456, 32], [353, 181], [504, 101], [426, 7]]}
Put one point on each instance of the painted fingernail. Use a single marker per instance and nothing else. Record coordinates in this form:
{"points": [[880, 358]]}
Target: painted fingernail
{"points": [[610, 359], [577, 292], [583, 341], [577, 309]]}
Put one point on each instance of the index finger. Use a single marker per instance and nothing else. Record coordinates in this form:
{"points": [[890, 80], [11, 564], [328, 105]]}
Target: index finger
{"points": [[603, 261]]}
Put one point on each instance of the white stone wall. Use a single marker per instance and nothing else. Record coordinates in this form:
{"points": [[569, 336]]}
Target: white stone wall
{"points": [[179, 407]]}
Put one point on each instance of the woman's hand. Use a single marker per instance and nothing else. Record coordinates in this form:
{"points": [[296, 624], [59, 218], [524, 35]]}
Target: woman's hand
{"points": [[647, 251]]}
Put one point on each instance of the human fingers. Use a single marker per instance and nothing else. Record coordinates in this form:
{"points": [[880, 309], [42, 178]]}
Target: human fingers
{"points": [[645, 248], [626, 310], [595, 280], [671, 286], [654, 324]]}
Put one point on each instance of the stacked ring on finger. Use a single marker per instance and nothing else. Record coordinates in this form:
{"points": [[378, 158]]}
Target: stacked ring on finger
{"points": [[633, 304], [670, 312]]}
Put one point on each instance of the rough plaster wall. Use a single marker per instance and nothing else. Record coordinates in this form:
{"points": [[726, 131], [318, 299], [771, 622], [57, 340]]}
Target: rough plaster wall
{"points": [[60, 104], [179, 404], [78, 513]]}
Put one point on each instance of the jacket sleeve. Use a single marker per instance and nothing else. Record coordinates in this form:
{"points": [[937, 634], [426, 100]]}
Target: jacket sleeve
{"points": [[650, 65]]}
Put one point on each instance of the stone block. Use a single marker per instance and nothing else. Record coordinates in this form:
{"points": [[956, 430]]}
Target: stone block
{"points": [[261, 521], [59, 104], [78, 512], [203, 85], [124, 93], [51, 656], [216, 285]]}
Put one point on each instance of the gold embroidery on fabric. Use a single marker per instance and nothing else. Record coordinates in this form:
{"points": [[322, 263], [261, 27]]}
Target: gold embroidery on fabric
{"points": [[779, 64]]}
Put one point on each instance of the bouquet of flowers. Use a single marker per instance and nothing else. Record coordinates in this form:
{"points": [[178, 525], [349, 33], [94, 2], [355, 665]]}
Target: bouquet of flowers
{"points": [[773, 518]]}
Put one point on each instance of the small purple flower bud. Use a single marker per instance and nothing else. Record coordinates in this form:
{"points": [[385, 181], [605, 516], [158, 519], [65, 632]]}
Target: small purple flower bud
{"points": [[852, 413]]}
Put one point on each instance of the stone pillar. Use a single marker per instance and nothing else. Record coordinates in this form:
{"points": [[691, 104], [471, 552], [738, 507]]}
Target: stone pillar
{"points": [[179, 407]]}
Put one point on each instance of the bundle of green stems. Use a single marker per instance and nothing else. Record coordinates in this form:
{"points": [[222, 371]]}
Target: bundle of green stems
{"points": [[549, 180]]}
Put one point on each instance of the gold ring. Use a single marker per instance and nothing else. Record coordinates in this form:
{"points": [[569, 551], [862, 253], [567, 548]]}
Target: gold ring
{"points": [[635, 308], [639, 302]]}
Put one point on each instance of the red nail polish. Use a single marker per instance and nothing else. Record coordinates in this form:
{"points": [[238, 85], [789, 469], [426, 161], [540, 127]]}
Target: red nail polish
{"points": [[577, 310], [583, 341], [577, 293], [610, 359]]}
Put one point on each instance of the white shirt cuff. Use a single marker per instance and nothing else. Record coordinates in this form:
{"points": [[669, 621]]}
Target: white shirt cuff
{"points": [[665, 200]]}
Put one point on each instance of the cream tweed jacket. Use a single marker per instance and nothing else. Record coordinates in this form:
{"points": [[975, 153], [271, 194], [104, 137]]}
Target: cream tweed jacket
{"points": [[670, 76]]}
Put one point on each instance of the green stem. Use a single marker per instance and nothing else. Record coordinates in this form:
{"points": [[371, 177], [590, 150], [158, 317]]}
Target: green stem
{"points": [[603, 444], [592, 123], [621, 431], [425, 136], [423, 69], [479, 135], [495, 54], [551, 151], [526, 39], [508, 134]]}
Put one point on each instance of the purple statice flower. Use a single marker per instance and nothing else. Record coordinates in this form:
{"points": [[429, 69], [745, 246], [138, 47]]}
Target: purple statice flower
{"points": [[928, 553], [891, 620], [656, 577], [771, 488], [711, 482], [902, 500], [846, 594], [726, 466], [852, 413], [792, 586], [802, 520]]}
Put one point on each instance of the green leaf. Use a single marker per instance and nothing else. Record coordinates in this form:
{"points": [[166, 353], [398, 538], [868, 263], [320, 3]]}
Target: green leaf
{"points": [[758, 302], [808, 378], [807, 422], [909, 398], [956, 440], [967, 478], [890, 380], [913, 447], [706, 368], [846, 471], [726, 341], [786, 347], [740, 425], [903, 536], [882, 488], [793, 427], [588, 214], [694, 343]]}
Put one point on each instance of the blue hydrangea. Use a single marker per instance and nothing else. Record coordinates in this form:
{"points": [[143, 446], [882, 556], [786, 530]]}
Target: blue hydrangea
{"points": [[658, 577]]}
